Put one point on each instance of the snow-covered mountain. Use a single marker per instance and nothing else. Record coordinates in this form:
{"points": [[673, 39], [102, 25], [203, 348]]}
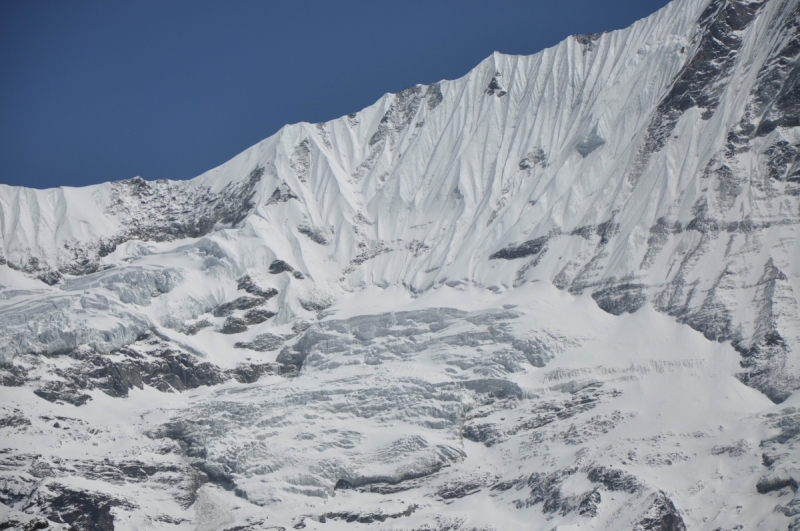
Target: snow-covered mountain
{"points": [[559, 292]]}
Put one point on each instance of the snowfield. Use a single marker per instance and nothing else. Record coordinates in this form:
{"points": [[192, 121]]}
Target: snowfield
{"points": [[560, 292]]}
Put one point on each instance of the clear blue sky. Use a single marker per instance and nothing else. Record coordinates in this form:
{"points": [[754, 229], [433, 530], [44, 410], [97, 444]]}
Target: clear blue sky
{"points": [[92, 91]]}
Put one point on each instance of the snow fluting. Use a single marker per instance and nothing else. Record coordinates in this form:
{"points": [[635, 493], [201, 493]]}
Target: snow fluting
{"points": [[560, 292]]}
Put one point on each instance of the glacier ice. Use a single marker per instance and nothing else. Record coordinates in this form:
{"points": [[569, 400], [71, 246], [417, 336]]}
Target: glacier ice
{"points": [[558, 292]]}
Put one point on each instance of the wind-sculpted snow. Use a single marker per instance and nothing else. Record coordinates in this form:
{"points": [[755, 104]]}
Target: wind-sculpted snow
{"points": [[561, 291]]}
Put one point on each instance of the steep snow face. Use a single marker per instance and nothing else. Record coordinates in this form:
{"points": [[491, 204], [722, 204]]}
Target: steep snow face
{"points": [[650, 171]]}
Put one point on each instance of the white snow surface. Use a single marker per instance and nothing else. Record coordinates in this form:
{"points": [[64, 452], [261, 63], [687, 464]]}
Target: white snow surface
{"points": [[560, 292]]}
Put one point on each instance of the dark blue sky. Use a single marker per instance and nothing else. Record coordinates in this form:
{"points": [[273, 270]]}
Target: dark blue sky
{"points": [[92, 91]]}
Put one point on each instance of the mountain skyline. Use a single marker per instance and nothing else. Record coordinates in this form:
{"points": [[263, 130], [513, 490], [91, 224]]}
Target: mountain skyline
{"points": [[93, 92], [558, 292]]}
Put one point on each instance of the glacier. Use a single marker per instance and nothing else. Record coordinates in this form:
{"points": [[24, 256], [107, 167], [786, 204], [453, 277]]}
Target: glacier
{"points": [[560, 292]]}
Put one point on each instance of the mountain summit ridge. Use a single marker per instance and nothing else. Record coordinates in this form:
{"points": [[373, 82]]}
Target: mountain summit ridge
{"points": [[619, 211], [653, 171]]}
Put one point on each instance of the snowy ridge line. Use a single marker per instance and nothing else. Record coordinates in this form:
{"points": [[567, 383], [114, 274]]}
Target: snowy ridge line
{"points": [[450, 178], [461, 308]]}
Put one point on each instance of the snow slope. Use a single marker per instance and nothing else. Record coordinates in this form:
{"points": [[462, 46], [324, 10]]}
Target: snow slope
{"points": [[340, 320]]}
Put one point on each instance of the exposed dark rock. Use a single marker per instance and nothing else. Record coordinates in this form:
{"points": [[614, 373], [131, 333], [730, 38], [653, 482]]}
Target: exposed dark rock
{"points": [[459, 489], [298, 327], [31, 266], [12, 375], [587, 40], [234, 325], [704, 225], [281, 194], [576, 386], [584, 398], [590, 142], [607, 230], [502, 486], [367, 518], [434, 95], [661, 516], [178, 371], [230, 206], [242, 303], [60, 392], [776, 481], [789, 426], [343, 484], [315, 305], [105, 248], [14, 421], [488, 434], [772, 101], [527, 248], [535, 157], [783, 161], [555, 410], [257, 316], [279, 266], [154, 211], [81, 266], [51, 278], [621, 298], [768, 351], [315, 235], [154, 363], [300, 160], [193, 328], [381, 487], [289, 356], [179, 478], [384, 484], [729, 186], [253, 524], [584, 231], [590, 504], [615, 480], [248, 374], [737, 449], [263, 343], [31, 525], [246, 283], [495, 87], [701, 81], [776, 92], [83, 510], [536, 352], [217, 473], [366, 252], [114, 378], [399, 116], [494, 387], [546, 489], [769, 460], [790, 509], [190, 433]]}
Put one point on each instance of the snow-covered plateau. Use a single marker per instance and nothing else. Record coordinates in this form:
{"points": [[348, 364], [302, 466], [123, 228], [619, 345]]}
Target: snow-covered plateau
{"points": [[560, 292]]}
